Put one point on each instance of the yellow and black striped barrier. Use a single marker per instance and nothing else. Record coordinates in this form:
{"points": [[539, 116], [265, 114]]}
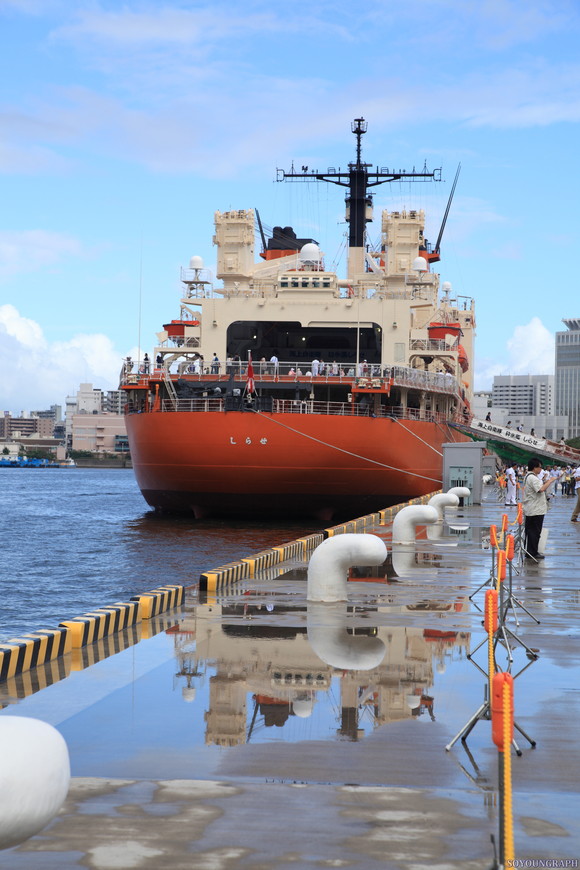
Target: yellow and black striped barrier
{"points": [[95, 625], [26, 652], [310, 543], [249, 566], [22, 654], [158, 600], [125, 614], [256, 563]]}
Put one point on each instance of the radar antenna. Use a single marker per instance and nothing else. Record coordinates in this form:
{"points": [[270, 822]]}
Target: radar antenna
{"points": [[358, 179]]}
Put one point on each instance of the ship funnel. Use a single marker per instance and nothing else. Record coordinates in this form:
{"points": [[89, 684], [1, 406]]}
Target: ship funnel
{"points": [[196, 263], [420, 265]]}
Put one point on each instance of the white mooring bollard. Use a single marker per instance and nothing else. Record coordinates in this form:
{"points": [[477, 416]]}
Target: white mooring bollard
{"points": [[329, 564], [443, 500], [34, 777], [406, 522]]}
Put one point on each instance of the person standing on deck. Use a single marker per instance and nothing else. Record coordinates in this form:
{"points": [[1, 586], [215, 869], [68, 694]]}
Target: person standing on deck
{"points": [[535, 506]]}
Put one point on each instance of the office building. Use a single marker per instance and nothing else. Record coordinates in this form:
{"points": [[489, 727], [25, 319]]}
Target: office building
{"points": [[568, 374], [525, 395]]}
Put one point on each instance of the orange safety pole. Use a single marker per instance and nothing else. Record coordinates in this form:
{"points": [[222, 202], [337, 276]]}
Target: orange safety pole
{"points": [[504, 525], [501, 735], [502, 730], [493, 536], [509, 547], [490, 622], [500, 568]]}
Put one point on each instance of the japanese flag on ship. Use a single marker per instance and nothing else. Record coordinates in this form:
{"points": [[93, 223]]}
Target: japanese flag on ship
{"points": [[250, 385]]}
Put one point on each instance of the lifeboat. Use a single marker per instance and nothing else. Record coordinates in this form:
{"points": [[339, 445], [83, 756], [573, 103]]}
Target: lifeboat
{"points": [[176, 329], [438, 331], [462, 358]]}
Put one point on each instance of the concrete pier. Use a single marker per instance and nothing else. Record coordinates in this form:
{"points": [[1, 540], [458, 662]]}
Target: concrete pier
{"points": [[217, 737]]}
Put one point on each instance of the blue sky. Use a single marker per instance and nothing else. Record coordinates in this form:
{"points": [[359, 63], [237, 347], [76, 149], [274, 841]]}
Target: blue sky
{"points": [[124, 126]]}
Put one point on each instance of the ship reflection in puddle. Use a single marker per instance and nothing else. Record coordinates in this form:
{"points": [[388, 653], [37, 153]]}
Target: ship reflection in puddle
{"points": [[278, 671]]}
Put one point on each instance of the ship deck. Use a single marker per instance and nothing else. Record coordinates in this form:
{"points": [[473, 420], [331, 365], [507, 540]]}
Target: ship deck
{"points": [[189, 746]]}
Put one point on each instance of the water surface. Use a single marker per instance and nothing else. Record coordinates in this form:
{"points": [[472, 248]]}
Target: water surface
{"points": [[76, 539]]}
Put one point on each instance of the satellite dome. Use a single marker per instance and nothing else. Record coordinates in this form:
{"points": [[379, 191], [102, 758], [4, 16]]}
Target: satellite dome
{"points": [[446, 287], [196, 263], [310, 254], [420, 265]]}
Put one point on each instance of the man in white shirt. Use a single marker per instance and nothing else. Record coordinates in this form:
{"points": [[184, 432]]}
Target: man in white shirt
{"points": [[535, 506]]}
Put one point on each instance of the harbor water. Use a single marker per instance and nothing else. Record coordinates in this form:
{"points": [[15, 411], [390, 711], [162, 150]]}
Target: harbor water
{"points": [[80, 538]]}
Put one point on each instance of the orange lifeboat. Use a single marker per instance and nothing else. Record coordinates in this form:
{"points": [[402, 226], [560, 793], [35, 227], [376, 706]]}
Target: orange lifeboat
{"points": [[462, 358], [176, 329], [438, 331]]}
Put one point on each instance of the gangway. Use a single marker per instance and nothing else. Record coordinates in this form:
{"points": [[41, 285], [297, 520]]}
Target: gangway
{"points": [[513, 446]]}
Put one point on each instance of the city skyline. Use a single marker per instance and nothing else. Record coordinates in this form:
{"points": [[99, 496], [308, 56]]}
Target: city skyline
{"points": [[125, 128]]}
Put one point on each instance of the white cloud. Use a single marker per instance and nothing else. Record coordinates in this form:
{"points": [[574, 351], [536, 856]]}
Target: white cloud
{"points": [[29, 250], [529, 351], [39, 374], [167, 75]]}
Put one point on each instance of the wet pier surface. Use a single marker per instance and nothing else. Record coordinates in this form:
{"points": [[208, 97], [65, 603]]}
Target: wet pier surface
{"points": [[253, 729]]}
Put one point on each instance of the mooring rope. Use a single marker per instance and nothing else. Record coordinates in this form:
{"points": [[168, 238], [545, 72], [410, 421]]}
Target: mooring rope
{"points": [[348, 452], [439, 453]]}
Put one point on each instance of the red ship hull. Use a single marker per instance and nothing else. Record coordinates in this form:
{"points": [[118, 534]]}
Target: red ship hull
{"points": [[242, 463]]}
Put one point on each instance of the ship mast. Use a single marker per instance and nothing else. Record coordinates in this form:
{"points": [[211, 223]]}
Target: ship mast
{"points": [[358, 179]]}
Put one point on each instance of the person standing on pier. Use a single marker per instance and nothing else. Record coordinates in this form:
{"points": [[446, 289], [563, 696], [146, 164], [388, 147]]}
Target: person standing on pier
{"points": [[510, 498], [535, 506]]}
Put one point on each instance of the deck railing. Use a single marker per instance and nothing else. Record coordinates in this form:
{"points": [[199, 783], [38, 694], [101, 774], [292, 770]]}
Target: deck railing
{"points": [[285, 372], [297, 406]]}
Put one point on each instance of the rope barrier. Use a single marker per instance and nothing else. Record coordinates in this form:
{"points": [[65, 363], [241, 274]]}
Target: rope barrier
{"points": [[500, 575], [490, 624], [508, 817]]}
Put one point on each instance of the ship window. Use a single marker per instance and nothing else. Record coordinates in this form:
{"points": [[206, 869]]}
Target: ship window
{"points": [[284, 282], [326, 282], [294, 282], [315, 282], [305, 282]]}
